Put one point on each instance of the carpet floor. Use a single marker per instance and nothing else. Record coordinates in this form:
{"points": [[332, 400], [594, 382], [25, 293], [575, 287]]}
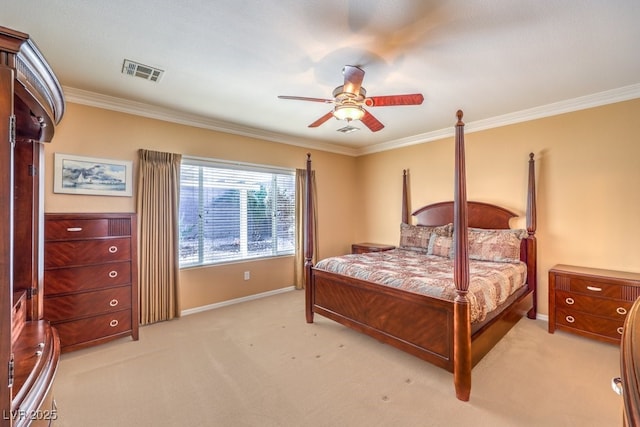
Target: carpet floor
{"points": [[258, 363]]}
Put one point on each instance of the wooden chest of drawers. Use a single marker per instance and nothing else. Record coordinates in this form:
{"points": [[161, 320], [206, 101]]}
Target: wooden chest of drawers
{"points": [[90, 278], [591, 302]]}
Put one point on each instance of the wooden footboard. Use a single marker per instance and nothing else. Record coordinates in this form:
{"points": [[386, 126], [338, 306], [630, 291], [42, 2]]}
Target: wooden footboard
{"points": [[417, 324]]}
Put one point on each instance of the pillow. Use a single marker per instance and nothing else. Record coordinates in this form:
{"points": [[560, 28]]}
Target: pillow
{"points": [[440, 245], [416, 237], [495, 245]]}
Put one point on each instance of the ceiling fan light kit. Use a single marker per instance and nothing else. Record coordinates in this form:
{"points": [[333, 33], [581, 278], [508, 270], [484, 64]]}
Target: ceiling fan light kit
{"points": [[348, 112], [350, 98]]}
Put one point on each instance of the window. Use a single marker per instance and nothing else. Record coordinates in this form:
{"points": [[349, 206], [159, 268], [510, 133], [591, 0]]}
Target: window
{"points": [[231, 212]]}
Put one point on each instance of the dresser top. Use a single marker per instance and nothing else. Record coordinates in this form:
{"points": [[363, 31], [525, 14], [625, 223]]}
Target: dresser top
{"points": [[595, 272]]}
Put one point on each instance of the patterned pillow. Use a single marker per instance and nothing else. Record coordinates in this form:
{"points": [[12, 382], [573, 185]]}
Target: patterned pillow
{"points": [[440, 245], [444, 230], [416, 237], [495, 245]]}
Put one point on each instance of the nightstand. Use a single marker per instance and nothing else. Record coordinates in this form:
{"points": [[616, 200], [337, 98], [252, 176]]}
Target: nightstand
{"points": [[591, 302], [362, 248]]}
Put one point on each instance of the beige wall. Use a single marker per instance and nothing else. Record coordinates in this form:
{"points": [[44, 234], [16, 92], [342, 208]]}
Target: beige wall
{"points": [[94, 132], [588, 167], [588, 171]]}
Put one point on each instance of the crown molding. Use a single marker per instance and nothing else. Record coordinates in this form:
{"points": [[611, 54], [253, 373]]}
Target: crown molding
{"points": [[625, 93], [107, 102], [93, 99]]}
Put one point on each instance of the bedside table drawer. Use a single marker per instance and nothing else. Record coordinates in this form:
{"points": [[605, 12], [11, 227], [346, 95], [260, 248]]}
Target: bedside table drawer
{"points": [[596, 325], [363, 248], [596, 306], [595, 288]]}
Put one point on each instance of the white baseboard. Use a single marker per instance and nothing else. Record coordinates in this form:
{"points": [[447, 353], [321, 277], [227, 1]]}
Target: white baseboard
{"points": [[542, 317], [235, 301]]}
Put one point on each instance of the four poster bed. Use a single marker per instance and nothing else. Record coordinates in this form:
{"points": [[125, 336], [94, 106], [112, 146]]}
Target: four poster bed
{"points": [[460, 279]]}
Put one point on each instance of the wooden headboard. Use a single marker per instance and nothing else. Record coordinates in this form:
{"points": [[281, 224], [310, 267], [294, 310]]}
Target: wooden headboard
{"points": [[480, 215]]}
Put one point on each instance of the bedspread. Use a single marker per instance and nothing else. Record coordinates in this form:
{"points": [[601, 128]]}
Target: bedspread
{"points": [[490, 283]]}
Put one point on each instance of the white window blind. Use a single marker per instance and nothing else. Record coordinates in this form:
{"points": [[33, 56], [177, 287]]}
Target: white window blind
{"points": [[231, 212]]}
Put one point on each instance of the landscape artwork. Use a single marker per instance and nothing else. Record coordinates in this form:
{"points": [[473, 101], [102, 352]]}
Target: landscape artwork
{"points": [[87, 175]]}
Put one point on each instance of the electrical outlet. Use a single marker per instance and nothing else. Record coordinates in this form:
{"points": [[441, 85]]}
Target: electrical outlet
{"points": [[247, 275]]}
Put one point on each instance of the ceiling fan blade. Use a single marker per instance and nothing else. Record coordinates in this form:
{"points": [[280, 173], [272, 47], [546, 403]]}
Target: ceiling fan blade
{"points": [[353, 77], [383, 101], [321, 120], [371, 122], [302, 98]]}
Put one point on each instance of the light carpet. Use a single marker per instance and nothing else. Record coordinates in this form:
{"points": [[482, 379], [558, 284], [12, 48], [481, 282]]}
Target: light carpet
{"points": [[258, 363]]}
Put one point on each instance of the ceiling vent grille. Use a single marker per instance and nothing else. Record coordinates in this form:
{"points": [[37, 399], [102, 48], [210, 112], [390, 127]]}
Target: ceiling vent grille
{"points": [[135, 69], [348, 129]]}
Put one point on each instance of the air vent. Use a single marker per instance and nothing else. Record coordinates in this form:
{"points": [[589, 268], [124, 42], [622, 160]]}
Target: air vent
{"points": [[348, 129], [146, 72]]}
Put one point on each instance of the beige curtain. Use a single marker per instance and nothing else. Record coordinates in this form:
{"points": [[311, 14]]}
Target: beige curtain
{"points": [[158, 197], [301, 176]]}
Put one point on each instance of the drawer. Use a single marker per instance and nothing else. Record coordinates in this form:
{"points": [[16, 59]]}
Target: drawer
{"points": [[72, 279], [595, 288], [615, 309], [84, 252], [93, 328], [85, 304], [363, 248], [64, 229], [593, 324]]}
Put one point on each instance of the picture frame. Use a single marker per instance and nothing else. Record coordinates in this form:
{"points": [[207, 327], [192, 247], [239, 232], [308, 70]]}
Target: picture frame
{"points": [[92, 176]]}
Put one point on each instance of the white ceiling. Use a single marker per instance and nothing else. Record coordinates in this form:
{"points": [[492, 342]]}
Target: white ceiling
{"points": [[226, 61]]}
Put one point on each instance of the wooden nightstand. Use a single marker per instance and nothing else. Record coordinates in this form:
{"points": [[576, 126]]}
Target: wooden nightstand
{"points": [[362, 248], [591, 302]]}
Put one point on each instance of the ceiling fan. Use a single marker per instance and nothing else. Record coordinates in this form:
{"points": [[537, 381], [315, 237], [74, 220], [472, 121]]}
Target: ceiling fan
{"points": [[350, 99]]}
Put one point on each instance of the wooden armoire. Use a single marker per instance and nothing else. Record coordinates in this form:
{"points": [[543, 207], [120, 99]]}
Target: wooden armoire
{"points": [[31, 105]]}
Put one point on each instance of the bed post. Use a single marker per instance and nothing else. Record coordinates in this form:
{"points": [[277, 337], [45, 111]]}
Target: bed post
{"points": [[308, 242], [405, 198], [531, 239], [461, 316]]}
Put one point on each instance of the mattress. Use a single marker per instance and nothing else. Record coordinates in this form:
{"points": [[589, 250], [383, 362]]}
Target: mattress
{"points": [[490, 283]]}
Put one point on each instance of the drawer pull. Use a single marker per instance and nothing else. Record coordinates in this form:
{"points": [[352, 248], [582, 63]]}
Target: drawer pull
{"points": [[113, 274], [113, 323], [113, 302], [113, 249], [616, 385], [74, 229], [38, 353], [621, 310], [620, 330], [594, 288], [569, 301], [570, 319]]}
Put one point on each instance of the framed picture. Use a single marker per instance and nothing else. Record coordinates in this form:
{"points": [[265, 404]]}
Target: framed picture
{"points": [[88, 175]]}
